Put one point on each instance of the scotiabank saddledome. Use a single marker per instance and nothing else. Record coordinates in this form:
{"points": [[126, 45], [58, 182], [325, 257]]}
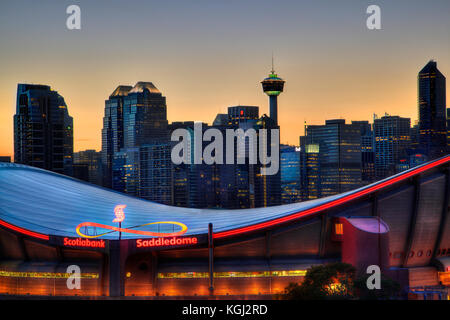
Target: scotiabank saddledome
{"points": [[128, 246]]}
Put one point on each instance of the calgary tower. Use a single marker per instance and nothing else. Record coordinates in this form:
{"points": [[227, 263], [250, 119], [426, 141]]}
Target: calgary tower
{"points": [[273, 86]]}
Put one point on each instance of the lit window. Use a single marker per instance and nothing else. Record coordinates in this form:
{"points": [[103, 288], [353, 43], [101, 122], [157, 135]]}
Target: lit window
{"points": [[339, 228]]}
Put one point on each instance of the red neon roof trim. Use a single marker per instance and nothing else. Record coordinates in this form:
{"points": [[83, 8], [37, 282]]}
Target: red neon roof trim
{"points": [[24, 231], [312, 211]]}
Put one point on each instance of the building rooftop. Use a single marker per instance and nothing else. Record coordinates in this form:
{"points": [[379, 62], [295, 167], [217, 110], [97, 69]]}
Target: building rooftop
{"points": [[141, 86]]}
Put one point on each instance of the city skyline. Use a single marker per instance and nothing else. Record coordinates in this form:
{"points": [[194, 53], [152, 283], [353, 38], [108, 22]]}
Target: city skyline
{"points": [[318, 83]]}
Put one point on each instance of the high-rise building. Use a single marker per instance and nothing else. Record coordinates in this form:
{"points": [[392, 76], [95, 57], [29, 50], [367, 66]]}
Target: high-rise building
{"points": [[125, 171], [309, 170], [144, 116], [267, 188], [112, 132], [290, 174], [431, 109], [155, 173], [88, 166], [194, 185], [43, 129], [415, 136], [242, 114], [273, 86], [340, 155], [144, 172], [367, 152], [134, 116], [392, 141]]}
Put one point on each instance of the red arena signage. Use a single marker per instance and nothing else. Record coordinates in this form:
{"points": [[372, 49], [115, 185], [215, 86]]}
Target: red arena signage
{"points": [[78, 242], [159, 242]]}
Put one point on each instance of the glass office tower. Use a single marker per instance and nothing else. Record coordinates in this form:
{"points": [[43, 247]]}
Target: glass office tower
{"points": [[134, 116], [43, 129], [340, 155], [112, 132], [431, 109], [392, 141], [290, 174], [144, 116]]}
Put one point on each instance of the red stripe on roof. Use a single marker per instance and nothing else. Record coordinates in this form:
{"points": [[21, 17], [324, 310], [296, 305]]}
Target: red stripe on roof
{"points": [[24, 231], [312, 211]]}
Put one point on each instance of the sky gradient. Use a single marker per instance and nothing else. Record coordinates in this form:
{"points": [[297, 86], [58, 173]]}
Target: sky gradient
{"points": [[206, 55]]}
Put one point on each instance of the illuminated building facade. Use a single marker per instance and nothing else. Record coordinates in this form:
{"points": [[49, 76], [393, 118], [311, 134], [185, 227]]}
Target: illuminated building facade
{"points": [[125, 171], [431, 111], [392, 141], [112, 132], [339, 155], [43, 129], [134, 116], [194, 185], [367, 152], [290, 174], [242, 114], [310, 171], [144, 172], [402, 222], [155, 173], [144, 116], [267, 187]]}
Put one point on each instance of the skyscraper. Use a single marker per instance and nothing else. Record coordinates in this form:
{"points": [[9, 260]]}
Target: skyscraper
{"points": [[193, 184], [309, 170], [43, 129], [267, 187], [242, 114], [112, 132], [431, 109], [144, 116], [125, 171], [392, 141], [273, 86], [134, 116], [367, 152], [339, 157], [290, 174], [155, 173]]}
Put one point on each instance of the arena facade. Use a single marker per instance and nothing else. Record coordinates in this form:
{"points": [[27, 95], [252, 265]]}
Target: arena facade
{"points": [[126, 246]]}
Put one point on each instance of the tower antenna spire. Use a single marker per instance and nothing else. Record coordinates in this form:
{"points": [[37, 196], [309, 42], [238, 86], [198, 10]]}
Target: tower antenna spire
{"points": [[273, 71]]}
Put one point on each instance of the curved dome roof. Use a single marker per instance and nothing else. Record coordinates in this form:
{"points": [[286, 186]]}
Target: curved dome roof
{"points": [[52, 204]]}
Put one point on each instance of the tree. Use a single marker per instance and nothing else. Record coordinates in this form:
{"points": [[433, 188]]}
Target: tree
{"points": [[329, 281]]}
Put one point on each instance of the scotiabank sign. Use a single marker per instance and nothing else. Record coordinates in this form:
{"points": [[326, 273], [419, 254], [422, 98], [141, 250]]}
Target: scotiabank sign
{"points": [[86, 243], [165, 242]]}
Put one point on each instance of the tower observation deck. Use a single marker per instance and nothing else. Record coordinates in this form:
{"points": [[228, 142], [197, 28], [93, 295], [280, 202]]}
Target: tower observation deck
{"points": [[273, 86]]}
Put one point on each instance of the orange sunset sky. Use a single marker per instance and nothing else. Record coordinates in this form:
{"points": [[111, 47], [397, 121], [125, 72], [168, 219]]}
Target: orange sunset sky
{"points": [[207, 56]]}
